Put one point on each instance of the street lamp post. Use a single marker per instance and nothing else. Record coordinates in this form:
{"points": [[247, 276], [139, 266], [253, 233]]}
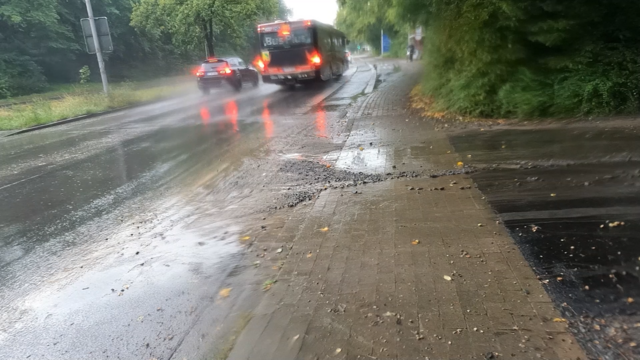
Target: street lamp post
{"points": [[96, 41]]}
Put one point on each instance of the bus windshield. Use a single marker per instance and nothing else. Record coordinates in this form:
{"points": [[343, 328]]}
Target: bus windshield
{"points": [[298, 37]]}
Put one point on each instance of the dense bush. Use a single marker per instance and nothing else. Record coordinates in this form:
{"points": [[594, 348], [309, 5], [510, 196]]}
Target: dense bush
{"points": [[525, 58]]}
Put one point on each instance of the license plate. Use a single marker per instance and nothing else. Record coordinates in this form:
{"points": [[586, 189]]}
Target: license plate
{"points": [[212, 73], [289, 69]]}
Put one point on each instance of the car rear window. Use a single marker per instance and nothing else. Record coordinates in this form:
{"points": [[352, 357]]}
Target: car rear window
{"points": [[215, 65]]}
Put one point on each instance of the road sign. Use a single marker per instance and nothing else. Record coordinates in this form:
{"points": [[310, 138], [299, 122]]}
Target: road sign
{"points": [[419, 33], [386, 43], [104, 36]]}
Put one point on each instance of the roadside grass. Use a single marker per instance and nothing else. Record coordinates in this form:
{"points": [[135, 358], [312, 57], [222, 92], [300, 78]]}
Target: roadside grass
{"points": [[54, 91], [71, 104]]}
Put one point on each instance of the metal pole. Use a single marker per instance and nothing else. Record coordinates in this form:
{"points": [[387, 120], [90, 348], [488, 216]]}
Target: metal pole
{"points": [[381, 42], [96, 41]]}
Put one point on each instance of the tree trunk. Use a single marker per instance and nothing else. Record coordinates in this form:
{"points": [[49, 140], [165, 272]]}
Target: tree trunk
{"points": [[209, 39]]}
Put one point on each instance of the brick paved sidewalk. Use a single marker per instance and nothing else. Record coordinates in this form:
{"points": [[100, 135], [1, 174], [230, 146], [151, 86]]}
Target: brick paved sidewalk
{"points": [[355, 285]]}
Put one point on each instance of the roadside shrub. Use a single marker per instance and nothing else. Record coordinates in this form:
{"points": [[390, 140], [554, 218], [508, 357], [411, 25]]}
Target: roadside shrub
{"points": [[526, 58], [85, 74], [19, 77]]}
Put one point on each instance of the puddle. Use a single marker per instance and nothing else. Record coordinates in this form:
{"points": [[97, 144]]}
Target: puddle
{"points": [[141, 285], [368, 160]]}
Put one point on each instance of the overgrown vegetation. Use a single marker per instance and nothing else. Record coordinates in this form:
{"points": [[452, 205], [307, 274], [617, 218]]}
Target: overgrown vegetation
{"points": [[363, 21], [83, 101], [41, 41], [519, 58]]}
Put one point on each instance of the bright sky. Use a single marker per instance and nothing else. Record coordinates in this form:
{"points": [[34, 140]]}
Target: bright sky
{"points": [[321, 10]]}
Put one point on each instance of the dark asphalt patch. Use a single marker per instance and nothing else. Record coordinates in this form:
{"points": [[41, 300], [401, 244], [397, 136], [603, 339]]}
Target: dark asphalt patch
{"points": [[571, 201], [308, 179]]}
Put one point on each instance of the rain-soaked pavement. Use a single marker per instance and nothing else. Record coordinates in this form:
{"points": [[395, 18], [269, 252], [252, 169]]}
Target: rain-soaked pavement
{"points": [[117, 233], [101, 223], [570, 197]]}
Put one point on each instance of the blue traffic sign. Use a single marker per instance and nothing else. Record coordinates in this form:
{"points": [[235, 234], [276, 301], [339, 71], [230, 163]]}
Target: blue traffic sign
{"points": [[386, 44]]}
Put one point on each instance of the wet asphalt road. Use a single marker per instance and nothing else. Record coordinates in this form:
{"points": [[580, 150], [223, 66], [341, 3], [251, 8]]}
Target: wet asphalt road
{"points": [[570, 196], [95, 261]]}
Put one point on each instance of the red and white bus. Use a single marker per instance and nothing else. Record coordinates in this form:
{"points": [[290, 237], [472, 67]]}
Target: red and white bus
{"points": [[301, 51]]}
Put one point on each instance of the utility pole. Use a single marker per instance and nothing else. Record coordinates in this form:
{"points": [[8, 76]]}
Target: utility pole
{"points": [[96, 41], [381, 42]]}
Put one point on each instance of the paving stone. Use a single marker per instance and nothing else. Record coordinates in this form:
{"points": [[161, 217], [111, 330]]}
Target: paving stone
{"points": [[368, 291]]}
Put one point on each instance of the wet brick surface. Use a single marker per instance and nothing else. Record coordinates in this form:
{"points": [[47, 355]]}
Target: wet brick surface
{"points": [[353, 282]]}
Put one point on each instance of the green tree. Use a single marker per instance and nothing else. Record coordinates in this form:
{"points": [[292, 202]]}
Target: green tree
{"points": [[362, 20], [30, 35], [196, 24]]}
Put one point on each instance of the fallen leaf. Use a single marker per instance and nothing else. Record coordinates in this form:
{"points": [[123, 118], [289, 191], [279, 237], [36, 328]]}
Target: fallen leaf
{"points": [[553, 195], [268, 284], [279, 251], [447, 277], [140, 318], [480, 225], [560, 320], [559, 279], [296, 337], [388, 314], [361, 148], [324, 229], [633, 344], [276, 267], [224, 292], [309, 255], [629, 300], [246, 238], [415, 242], [338, 350], [460, 164]]}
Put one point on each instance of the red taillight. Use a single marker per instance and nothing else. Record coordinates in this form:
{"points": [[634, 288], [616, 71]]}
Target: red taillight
{"points": [[225, 71], [200, 72], [315, 59], [285, 30], [259, 63]]}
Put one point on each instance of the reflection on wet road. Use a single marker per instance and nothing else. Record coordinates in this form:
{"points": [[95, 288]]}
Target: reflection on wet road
{"points": [[571, 198], [92, 232]]}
